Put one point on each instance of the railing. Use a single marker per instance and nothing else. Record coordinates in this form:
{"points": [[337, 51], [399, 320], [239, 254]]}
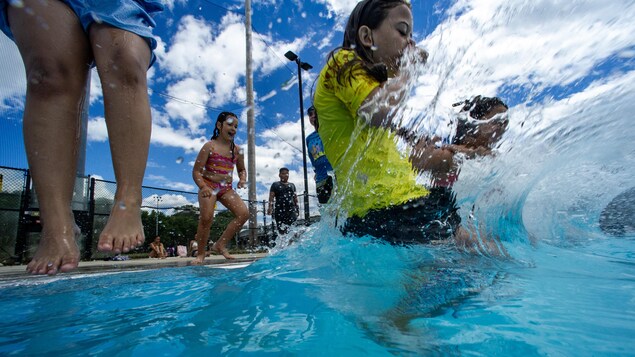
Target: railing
{"points": [[171, 214]]}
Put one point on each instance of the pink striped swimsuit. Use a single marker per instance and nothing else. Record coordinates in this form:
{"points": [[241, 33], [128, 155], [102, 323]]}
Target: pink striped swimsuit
{"points": [[219, 164]]}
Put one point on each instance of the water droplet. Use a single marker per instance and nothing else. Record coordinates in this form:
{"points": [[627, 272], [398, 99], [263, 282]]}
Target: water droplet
{"points": [[241, 152], [122, 206], [179, 160], [353, 46], [277, 155], [373, 48]]}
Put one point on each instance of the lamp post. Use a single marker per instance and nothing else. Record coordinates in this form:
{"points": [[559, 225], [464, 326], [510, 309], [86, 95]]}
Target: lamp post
{"points": [[157, 216], [302, 66]]}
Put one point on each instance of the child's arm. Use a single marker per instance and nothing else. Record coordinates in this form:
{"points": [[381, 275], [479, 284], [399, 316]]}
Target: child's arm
{"points": [[379, 104], [272, 196], [199, 166], [240, 166]]}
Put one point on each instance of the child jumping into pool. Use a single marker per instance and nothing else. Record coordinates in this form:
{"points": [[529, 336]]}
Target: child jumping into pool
{"points": [[212, 173], [59, 41], [357, 92]]}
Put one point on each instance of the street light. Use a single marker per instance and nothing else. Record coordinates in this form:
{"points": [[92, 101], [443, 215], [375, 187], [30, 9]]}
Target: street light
{"points": [[302, 66]]}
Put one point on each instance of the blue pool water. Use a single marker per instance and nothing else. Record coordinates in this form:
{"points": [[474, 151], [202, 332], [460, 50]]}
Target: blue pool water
{"points": [[566, 287], [331, 295]]}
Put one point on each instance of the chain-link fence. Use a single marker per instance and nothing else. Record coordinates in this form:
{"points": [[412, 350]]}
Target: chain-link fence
{"points": [[170, 214]]}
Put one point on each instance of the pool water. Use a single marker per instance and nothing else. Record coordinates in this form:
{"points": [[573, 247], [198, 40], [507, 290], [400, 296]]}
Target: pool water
{"points": [[565, 285], [333, 295]]}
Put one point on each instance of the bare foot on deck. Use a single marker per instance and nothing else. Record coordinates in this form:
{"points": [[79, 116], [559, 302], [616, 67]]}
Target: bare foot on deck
{"points": [[222, 251], [198, 261], [124, 230], [57, 252]]}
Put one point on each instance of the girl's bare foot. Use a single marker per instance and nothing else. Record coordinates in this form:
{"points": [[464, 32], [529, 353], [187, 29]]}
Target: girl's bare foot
{"points": [[57, 252], [124, 230], [198, 260], [223, 251]]}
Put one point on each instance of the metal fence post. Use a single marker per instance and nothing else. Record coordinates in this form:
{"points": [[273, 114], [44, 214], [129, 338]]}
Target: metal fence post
{"points": [[88, 245], [21, 241]]}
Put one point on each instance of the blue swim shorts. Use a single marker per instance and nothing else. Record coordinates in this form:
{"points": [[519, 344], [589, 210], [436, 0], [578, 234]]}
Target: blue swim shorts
{"points": [[130, 15]]}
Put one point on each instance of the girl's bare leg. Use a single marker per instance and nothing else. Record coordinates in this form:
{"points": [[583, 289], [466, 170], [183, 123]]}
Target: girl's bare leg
{"points": [[234, 203], [206, 218], [56, 57], [122, 61]]}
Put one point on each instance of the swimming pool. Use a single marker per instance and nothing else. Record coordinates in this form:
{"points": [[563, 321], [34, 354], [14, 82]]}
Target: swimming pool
{"points": [[567, 289], [332, 295]]}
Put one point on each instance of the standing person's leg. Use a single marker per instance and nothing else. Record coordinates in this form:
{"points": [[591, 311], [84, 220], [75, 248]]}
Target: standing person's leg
{"points": [[235, 204], [205, 220], [122, 61], [56, 57]]}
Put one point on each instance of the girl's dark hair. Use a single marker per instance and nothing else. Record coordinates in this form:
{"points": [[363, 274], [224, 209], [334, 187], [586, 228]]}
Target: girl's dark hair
{"points": [[479, 106], [222, 117], [369, 13]]}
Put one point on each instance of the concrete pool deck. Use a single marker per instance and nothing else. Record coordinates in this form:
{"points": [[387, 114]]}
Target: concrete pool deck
{"points": [[16, 272]]}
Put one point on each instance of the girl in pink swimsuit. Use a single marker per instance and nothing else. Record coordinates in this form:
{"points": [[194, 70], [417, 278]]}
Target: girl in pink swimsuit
{"points": [[213, 173]]}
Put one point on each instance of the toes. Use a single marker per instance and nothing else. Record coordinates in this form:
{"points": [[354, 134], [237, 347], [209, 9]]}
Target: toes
{"points": [[69, 265], [105, 244]]}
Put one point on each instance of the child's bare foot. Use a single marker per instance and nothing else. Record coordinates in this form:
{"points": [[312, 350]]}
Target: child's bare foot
{"points": [[198, 261], [124, 230], [223, 251], [57, 252]]}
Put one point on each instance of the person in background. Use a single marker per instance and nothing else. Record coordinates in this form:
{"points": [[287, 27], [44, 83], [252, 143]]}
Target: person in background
{"points": [[213, 174], [59, 42], [283, 194], [321, 164], [193, 249], [157, 250]]}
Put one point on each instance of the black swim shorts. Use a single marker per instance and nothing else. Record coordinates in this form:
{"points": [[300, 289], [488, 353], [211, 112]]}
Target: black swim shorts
{"points": [[425, 219]]}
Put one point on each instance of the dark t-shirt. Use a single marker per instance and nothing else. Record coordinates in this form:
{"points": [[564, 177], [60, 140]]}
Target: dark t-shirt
{"points": [[284, 202]]}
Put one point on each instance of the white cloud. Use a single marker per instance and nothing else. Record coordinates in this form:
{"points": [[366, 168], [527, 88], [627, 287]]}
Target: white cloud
{"points": [[340, 8], [486, 45], [13, 81], [97, 130], [195, 90]]}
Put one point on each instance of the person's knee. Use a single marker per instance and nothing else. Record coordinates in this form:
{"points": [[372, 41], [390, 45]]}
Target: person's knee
{"points": [[49, 78], [242, 217], [206, 221], [125, 68]]}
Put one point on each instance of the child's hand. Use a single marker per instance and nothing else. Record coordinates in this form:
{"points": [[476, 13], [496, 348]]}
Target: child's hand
{"points": [[206, 191], [242, 184]]}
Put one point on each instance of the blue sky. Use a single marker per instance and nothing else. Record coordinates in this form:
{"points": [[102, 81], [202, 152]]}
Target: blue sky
{"points": [[544, 52]]}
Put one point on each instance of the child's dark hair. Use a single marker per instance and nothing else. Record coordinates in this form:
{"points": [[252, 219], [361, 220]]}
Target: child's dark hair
{"points": [[369, 13], [283, 169], [222, 117], [476, 108]]}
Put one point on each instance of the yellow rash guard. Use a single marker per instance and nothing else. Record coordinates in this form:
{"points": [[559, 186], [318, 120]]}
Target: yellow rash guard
{"points": [[371, 172]]}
